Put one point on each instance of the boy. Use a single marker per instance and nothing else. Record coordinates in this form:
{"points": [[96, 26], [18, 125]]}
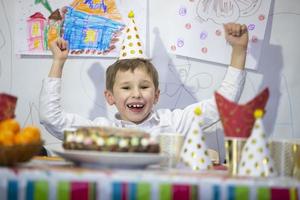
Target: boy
{"points": [[132, 86]]}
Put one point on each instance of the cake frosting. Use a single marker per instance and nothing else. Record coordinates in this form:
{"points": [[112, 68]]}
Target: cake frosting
{"points": [[108, 139]]}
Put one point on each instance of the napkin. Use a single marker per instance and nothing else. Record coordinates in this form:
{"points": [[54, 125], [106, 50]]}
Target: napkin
{"points": [[238, 120], [7, 106]]}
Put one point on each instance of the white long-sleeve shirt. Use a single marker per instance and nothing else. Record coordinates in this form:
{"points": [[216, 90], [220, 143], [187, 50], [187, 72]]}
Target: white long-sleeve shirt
{"points": [[56, 120]]}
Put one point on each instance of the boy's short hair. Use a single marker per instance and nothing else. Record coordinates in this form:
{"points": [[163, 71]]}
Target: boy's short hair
{"points": [[130, 64]]}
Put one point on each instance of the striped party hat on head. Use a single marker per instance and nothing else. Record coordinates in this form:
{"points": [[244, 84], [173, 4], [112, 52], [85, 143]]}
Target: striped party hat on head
{"points": [[132, 46], [194, 152], [256, 160]]}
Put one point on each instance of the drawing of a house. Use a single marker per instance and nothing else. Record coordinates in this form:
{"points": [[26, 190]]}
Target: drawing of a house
{"points": [[52, 30], [92, 26], [36, 24]]}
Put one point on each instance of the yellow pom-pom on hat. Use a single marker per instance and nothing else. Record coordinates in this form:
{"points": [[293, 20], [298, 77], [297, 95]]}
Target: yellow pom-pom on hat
{"points": [[198, 111], [258, 113], [131, 14]]}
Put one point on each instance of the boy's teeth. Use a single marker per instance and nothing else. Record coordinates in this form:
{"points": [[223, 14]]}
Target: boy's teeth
{"points": [[135, 106]]}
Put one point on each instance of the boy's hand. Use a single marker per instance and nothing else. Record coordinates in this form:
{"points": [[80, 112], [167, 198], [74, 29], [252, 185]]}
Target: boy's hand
{"points": [[59, 49], [236, 35]]}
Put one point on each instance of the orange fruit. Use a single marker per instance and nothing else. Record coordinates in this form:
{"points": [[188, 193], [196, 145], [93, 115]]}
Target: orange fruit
{"points": [[10, 124], [31, 134], [21, 139], [7, 137]]}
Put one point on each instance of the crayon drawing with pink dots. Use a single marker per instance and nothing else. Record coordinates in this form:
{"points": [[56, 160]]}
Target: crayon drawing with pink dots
{"points": [[223, 11], [91, 27], [198, 31]]}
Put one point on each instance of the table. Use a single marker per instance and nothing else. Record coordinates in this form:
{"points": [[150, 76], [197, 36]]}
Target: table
{"points": [[63, 182]]}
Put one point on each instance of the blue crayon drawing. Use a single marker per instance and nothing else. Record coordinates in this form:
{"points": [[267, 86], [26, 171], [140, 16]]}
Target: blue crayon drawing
{"points": [[89, 32]]}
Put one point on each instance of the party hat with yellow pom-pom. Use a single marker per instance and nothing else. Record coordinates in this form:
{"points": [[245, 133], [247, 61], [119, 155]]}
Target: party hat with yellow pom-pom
{"points": [[256, 160], [194, 152], [132, 46]]}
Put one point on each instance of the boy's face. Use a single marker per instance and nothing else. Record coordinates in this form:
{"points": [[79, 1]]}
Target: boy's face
{"points": [[133, 94]]}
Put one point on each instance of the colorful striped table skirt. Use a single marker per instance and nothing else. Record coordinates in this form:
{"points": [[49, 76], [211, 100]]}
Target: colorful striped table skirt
{"points": [[45, 185]]}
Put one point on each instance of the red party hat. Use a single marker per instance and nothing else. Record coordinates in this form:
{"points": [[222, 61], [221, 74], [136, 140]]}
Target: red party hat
{"points": [[238, 120], [7, 106]]}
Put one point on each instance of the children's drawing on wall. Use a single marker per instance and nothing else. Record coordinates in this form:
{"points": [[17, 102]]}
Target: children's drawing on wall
{"points": [[2, 43], [91, 27], [198, 31], [184, 86], [223, 11], [6, 55]]}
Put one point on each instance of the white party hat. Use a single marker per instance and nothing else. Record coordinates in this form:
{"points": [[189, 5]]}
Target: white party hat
{"points": [[194, 152], [132, 46], [256, 160]]}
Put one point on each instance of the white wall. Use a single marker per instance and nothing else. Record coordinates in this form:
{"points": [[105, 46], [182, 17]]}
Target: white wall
{"points": [[182, 80]]}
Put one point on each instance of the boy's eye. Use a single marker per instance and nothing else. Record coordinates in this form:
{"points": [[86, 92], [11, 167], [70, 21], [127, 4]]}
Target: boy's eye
{"points": [[144, 87], [125, 88]]}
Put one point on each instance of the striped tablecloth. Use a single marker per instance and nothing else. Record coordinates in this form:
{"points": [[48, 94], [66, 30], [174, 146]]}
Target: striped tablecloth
{"points": [[84, 184]]}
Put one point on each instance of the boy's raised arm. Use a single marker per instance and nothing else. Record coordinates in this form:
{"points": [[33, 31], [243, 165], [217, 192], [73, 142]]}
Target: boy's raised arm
{"points": [[59, 49], [237, 36]]}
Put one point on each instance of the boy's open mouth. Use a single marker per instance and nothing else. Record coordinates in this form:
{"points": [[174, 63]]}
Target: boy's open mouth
{"points": [[135, 106]]}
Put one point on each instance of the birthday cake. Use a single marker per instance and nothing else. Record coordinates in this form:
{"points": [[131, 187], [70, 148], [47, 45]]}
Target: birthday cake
{"points": [[108, 139]]}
